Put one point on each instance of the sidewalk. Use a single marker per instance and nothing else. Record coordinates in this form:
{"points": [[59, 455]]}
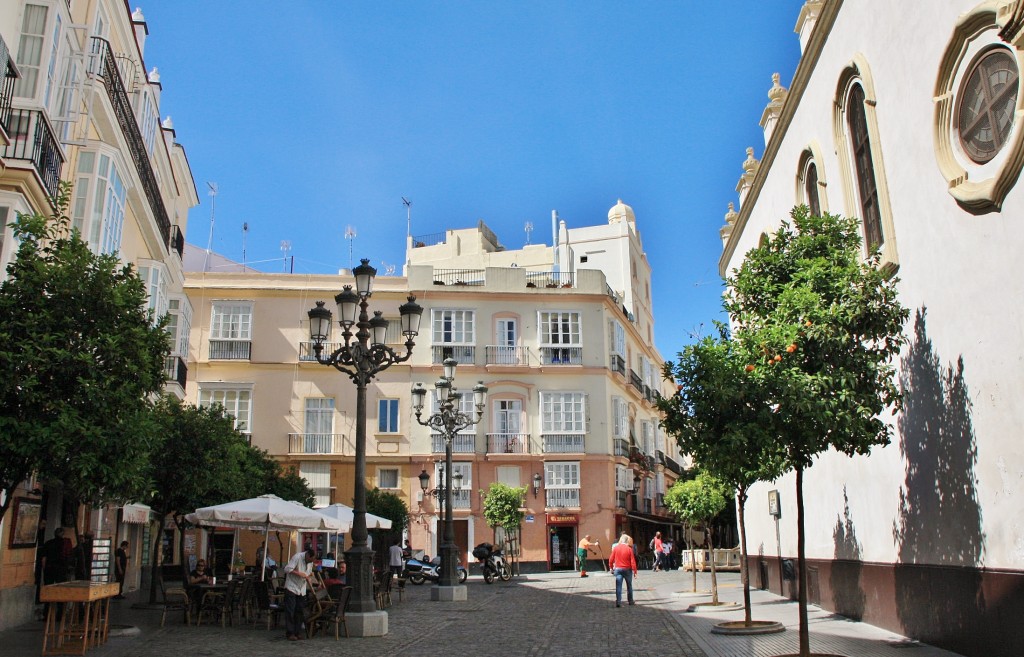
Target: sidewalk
{"points": [[556, 614]]}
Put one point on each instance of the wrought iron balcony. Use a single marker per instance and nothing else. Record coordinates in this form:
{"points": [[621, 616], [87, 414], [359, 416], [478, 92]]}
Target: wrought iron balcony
{"points": [[618, 364], [621, 447], [550, 279], [561, 497], [561, 355], [508, 443], [672, 466], [32, 140], [108, 71], [10, 73], [463, 354], [562, 443], [621, 497], [499, 355], [462, 443], [634, 379], [306, 353], [459, 277], [230, 349], [432, 239], [175, 369], [177, 243], [318, 443]]}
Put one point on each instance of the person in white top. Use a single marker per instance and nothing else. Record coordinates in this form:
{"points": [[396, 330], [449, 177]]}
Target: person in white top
{"points": [[395, 560], [297, 576]]}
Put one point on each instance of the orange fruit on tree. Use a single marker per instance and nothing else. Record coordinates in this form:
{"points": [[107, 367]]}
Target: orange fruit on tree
{"points": [[750, 368], [778, 358], [791, 348]]}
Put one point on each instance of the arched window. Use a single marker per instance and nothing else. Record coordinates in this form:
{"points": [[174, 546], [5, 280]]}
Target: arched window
{"points": [[867, 189], [811, 188]]}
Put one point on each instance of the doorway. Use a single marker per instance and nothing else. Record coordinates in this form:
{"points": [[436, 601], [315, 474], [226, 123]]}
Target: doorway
{"points": [[562, 547]]}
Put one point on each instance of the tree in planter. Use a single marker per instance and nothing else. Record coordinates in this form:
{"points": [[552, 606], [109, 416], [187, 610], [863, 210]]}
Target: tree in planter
{"points": [[826, 326], [720, 417], [503, 507], [698, 501], [80, 355]]}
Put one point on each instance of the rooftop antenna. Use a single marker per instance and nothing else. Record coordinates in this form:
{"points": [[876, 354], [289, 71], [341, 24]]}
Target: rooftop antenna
{"points": [[286, 248], [245, 231], [213, 210], [408, 226], [389, 270], [529, 228], [350, 235]]}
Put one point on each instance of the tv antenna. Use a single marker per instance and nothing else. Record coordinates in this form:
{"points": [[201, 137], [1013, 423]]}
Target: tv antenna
{"points": [[389, 270], [286, 247], [350, 235], [245, 232], [529, 229], [212, 193], [408, 226]]}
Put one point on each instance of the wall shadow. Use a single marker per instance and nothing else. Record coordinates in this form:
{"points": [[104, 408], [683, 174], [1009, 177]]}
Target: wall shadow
{"points": [[938, 533], [844, 578]]}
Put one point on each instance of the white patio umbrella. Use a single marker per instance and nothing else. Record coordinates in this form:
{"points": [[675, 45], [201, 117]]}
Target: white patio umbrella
{"points": [[344, 514], [263, 513]]}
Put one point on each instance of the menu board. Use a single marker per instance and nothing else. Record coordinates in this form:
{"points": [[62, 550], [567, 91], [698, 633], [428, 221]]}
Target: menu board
{"points": [[101, 559]]}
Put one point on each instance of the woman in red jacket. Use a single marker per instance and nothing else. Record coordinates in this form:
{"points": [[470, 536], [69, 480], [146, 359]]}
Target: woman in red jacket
{"points": [[622, 562]]}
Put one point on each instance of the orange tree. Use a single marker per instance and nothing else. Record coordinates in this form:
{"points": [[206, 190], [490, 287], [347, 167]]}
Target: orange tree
{"points": [[722, 418], [824, 326]]}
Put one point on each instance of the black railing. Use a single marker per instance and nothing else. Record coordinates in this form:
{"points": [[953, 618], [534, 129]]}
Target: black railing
{"points": [[427, 240], [634, 378], [230, 349], [7, 89], [550, 279], [176, 370], [33, 140], [619, 364], [177, 243], [136, 144], [458, 277], [673, 466]]}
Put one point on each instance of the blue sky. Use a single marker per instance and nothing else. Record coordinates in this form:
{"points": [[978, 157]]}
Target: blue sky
{"points": [[315, 116]]}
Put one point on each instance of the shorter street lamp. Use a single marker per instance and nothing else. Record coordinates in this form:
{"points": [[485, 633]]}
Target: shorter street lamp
{"points": [[439, 491], [448, 421], [536, 484]]}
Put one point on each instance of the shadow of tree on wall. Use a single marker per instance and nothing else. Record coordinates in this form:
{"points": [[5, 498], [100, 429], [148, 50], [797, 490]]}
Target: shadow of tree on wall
{"points": [[844, 579], [938, 532]]}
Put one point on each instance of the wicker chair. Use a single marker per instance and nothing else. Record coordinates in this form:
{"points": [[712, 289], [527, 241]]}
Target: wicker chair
{"points": [[176, 599], [267, 603], [334, 614]]}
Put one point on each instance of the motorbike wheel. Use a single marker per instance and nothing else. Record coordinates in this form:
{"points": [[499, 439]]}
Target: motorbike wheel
{"points": [[462, 576], [504, 572], [417, 578], [488, 575]]}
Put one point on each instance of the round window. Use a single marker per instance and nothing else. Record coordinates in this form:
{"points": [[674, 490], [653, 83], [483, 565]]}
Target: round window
{"points": [[986, 104]]}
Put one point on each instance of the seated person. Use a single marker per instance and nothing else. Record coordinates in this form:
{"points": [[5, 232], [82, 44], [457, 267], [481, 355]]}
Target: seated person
{"points": [[201, 575], [335, 575]]}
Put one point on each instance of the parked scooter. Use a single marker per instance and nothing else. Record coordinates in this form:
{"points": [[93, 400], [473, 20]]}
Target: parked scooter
{"points": [[433, 571], [492, 563], [414, 570]]}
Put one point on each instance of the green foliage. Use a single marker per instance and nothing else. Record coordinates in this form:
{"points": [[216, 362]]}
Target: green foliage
{"points": [[697, 500], [503, 506], [390, 506], [822, 327], [719, 415], [80, 356]]}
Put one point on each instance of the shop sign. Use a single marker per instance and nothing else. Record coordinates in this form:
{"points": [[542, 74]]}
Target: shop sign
{"points": [[570, 519]]}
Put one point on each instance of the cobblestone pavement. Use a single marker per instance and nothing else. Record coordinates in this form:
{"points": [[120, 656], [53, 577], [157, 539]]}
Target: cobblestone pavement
{"points": [[557, 614]]}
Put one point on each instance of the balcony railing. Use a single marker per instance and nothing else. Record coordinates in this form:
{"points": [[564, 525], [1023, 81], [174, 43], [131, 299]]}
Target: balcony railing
{"points": [[561, 497], [462, 443], [634, 379], [122, 105], [499, 355], [621, 447], [458, 277], [561, 355], [10, 73], [32, 140], [508, 443], [464, 355], [620, 498], [550, 279], [175, 369], [177, 243], [230, 349], [317, 443], [648, 393], [562, 443], [618, 364], [672, 466], [461, 499], [427, 240], [306, 353]]}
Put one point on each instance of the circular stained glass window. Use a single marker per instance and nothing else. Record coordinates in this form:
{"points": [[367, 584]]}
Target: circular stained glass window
{"points": [[987, 103]]}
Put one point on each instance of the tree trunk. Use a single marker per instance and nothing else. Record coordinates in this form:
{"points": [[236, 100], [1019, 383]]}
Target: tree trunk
{"points": [[693, 557], [741, 499], [714, 576], [156, 572], [805, 638], [180, 524]]}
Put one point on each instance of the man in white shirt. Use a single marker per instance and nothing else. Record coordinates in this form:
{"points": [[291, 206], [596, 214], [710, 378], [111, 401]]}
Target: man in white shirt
{"points": [[297, 575], [395, 560]]}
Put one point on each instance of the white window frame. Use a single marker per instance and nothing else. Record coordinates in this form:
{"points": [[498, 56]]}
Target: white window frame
{"points": [[154, 275], [32, 48], [465, 406], [237, 400], [617, 337], [559, 328], [623, 479], [648, 437], [100, 196], [620, 418], [461, 326], [508, 412], [389, 411], [562, 475], [458, 466], [318, 476], [563, 412], [384, 476], [510, 475], [231, 320], [179, 326], [318, 415]]}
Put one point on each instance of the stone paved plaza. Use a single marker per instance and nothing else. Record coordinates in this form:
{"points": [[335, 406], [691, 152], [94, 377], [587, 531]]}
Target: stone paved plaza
{"points": [[557, 614]]}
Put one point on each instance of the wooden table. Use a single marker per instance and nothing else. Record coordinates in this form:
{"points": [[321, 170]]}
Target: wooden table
{"points": [[85, 621]]}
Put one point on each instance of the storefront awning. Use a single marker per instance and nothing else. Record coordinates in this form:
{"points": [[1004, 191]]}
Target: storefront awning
{"points": [[135, 514], [657, 520]]}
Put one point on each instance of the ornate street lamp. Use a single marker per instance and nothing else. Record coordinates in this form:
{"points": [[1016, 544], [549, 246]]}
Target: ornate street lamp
{"points": [[361, 359], [448, 421]]}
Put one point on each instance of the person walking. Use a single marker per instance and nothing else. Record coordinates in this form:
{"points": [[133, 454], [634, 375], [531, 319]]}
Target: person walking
{"points": [[297, 576], [585, 545], [622, 562], [395, 558], [659, 554], [121, 568]]}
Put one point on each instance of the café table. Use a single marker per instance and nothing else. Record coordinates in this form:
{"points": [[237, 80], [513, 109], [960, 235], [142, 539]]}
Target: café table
{"points": [[215, 593], [85, 622]]}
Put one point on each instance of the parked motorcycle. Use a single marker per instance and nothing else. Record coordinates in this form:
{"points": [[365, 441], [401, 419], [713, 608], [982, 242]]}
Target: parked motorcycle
{"points": [[492, 563], [413, 570], [433, 571], [419, 571]]}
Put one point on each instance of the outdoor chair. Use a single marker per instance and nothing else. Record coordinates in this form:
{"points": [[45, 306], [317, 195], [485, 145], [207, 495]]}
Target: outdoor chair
{"points": [[400, 582], [266, 603], [334, 613], [176, 599], [383, 591], [218, 604]]}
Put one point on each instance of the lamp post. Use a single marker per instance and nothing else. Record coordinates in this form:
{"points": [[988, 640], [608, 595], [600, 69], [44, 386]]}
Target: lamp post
{"points": [[448, 421], [439, 491], [361, 356]]}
